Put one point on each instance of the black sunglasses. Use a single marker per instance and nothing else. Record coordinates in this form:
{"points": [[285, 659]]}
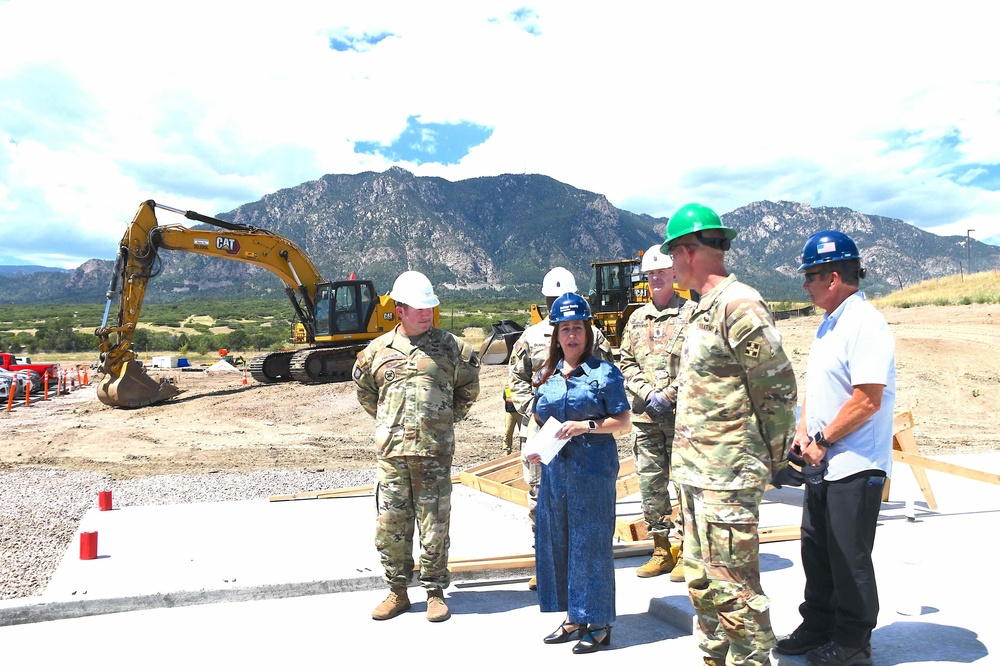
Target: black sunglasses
{"points": [[809, 277]]}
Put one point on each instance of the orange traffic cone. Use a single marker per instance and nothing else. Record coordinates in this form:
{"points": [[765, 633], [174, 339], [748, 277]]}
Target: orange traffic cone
{"points": [[244, 376], [86, 379]]}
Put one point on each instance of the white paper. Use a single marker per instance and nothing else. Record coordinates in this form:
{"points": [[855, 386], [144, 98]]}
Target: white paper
{"points": [[545, 443]]}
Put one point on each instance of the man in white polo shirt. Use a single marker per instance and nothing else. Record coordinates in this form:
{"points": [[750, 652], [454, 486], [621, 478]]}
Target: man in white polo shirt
{"points": [[846, 425]]}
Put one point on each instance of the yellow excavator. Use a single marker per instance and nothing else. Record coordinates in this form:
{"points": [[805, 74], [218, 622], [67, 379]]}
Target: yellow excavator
{"points": [[336, 319]]}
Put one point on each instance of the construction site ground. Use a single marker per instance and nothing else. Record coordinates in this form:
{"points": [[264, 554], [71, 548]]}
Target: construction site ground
{"points": [[275, 562]]}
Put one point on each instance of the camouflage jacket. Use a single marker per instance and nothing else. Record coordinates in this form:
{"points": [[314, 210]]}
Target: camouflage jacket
{"points": [[416, 390], [736, 396], [528, 357], [651, 352]]}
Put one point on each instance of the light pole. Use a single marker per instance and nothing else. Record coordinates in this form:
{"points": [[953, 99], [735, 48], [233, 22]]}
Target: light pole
{"points": [[968, 250]]}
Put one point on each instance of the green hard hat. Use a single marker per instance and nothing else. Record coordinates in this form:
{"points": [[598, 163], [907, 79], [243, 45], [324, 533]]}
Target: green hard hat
{"points": [[692, 218]]}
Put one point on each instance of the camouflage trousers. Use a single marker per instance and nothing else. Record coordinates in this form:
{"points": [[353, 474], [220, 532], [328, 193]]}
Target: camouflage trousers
{"points": [[722, 569], [414, 490], [651, 447]]}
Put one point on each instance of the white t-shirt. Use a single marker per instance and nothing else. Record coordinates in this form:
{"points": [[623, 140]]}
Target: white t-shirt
{"points": [[853, 346]]}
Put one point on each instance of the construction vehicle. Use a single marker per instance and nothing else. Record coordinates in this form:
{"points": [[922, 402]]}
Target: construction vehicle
{"points": [[337, 318], [620, 288], [499, 344]]}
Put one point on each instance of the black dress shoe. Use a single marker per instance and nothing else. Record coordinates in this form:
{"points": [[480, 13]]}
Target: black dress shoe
{"points": [[590, 642], [564, 635], [800, 641]]}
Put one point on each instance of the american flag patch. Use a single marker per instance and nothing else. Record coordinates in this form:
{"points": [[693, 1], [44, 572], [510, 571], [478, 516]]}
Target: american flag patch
{"points": [[823, 248]]}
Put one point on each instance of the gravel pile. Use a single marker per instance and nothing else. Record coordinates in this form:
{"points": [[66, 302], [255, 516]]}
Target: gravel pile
{"points": [[41, 509]]}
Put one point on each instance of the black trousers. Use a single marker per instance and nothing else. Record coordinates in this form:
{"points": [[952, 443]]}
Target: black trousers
{"points": [[838, 534]]}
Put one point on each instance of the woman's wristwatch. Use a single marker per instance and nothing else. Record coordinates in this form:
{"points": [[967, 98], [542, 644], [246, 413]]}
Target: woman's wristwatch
{"points": [[592, 425]]}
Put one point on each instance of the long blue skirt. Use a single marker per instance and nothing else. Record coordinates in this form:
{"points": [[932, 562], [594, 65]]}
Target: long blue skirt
{"points": [[574, 532]]}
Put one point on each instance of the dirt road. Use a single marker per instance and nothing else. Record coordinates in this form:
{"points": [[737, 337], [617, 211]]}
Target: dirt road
{"points": [[948, 376]]}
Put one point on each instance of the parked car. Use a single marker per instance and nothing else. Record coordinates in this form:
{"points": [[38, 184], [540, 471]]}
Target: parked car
{"points": [[20, 379]]}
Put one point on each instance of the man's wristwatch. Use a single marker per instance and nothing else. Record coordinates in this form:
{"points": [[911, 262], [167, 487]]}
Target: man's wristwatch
{"points": [[821, 440], [592, 425]]}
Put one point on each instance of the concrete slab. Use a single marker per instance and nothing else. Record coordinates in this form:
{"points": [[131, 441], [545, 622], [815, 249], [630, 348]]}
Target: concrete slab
{"points": [[275, 562]]}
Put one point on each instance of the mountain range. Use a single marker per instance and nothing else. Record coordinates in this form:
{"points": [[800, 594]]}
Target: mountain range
{"points": [[496, 236]]}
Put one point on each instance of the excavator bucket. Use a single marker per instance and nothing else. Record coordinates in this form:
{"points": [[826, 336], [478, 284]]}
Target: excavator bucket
{"points": [[500, 342], [133, 388]]}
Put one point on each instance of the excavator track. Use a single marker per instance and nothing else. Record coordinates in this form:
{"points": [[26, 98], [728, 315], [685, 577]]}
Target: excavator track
{"points": [[272, 368], [324, 364]]}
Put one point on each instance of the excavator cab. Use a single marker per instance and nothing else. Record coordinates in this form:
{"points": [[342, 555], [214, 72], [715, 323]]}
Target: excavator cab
{"points": [[619, 288], [344, 307]]}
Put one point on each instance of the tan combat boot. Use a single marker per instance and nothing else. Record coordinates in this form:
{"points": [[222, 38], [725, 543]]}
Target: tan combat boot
{"points": [[661, 562], [677, 573], [397, 602], [437, 609], [533, 583]]}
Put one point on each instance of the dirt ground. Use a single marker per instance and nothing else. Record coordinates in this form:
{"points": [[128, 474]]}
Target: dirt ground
{"points": [[948, 375]]}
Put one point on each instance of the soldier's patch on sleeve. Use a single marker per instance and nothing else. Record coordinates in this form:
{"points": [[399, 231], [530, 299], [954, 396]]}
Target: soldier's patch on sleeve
{"points": [[362, 359], [742, 327], [357, 371], [752, 349]]}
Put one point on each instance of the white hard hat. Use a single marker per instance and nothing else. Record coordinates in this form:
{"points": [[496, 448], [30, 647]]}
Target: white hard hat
{"points": [[557, 282], [654, 260], [414, 289]]}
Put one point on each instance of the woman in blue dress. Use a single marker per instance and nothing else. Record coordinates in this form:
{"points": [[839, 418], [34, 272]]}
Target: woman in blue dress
{"points": [[575, 524]]}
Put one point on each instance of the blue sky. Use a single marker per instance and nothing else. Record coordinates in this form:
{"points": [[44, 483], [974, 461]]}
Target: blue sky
{"points": [[887, 108]]}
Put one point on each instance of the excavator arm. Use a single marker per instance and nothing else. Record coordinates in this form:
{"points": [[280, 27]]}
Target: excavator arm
{"points": [[125, 382]]}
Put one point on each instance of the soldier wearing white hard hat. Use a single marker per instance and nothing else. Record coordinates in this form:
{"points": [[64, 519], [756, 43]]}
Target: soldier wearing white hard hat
{"points": [[650, 358], [415, 439]]}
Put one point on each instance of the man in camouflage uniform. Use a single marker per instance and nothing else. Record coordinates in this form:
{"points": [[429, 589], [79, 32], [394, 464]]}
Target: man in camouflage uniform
{"points": [[735, 422], [526, 359], [416, 380], [650, 357]]}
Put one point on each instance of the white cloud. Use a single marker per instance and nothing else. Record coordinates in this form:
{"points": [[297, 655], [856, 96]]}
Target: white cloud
{"points": [[209, 105]]}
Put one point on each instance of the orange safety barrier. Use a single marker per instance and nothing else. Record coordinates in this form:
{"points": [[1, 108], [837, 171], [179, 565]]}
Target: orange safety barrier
{"points": [[27, 393], [10, 395], [45, 387]]}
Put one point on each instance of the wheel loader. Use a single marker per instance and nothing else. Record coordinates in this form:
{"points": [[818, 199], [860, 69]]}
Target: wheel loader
{"points": [[336, 319], [619, 289]]}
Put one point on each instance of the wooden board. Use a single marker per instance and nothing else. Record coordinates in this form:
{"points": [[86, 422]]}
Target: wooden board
{"points": [[948, 468], [621, 549], [504, 478], [904, 441]]}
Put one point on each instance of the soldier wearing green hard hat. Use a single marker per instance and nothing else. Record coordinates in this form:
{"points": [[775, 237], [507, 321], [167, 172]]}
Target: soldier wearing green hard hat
{"points": [[734, 425], [696, 219]]}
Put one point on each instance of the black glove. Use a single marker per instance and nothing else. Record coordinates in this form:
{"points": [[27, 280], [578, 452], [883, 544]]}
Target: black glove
{"points": [[787, 476], [798, 472], [657, 406], [814, 473]]}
